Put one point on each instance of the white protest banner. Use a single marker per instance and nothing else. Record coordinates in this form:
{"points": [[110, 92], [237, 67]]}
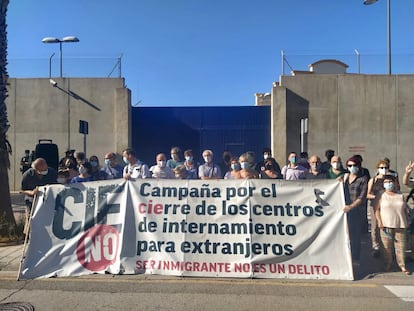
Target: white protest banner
{"points": [[215, 228]]}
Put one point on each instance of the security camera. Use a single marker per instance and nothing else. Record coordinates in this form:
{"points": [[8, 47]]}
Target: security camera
{"points": [[53, 82]]}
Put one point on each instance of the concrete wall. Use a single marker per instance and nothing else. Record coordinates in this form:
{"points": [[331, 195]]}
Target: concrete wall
{"points": [[371, 115], [37, 110]]}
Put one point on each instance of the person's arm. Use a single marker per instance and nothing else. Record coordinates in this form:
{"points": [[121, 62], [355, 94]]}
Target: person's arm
{"points": [[378, 214], [370, 195], [409, 168]]}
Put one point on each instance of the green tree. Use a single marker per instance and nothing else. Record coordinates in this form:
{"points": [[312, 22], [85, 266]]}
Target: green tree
{"points": [[7, 222]]}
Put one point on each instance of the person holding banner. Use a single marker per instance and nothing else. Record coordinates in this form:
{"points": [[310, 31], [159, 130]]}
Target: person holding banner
{"points": [[392, 216], [40, 174], [355, 191], [134, 168]]}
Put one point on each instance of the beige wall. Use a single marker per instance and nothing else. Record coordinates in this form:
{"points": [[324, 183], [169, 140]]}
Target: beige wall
{"points": [[372, 115], [37, 110]]}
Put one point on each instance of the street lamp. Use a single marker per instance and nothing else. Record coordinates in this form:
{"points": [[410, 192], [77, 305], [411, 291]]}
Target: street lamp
{"points": [[60, 41], [368, 2]]}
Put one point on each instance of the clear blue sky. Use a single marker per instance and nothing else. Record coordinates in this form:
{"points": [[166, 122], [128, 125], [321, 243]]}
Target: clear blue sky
{"points": [[205, 52]]}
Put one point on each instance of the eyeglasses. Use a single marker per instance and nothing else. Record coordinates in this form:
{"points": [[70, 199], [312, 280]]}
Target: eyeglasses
{"points": [[386, 167]]}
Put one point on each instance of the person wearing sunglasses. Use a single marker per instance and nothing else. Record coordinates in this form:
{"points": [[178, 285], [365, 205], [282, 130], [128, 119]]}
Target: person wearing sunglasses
{"points": [[355, 192], [375, 189], [392, 217]]}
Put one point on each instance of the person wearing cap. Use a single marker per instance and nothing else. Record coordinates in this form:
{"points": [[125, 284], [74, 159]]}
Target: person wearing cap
{"points": [[355, 191], [392, 217]]}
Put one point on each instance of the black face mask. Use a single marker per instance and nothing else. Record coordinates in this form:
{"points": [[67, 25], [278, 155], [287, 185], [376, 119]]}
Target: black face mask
{"points": [[226, 158]]}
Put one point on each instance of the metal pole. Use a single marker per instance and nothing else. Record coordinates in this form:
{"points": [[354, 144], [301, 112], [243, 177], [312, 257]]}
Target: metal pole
{"points": [[358, 61], [68, 113], [389, 35], [50, 65], [283, 62], [60, 43]]}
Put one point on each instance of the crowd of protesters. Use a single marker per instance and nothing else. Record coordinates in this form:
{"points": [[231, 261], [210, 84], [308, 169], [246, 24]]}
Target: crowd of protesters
{"points": [[392, 227]]}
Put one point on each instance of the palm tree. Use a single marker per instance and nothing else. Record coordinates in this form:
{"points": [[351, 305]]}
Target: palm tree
{"points": [[7, 222]]}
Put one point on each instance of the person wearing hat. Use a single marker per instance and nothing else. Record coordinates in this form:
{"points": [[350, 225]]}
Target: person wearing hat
{"points": [[355, 191]]}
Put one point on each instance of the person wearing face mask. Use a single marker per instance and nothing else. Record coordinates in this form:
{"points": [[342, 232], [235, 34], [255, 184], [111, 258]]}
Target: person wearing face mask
{"points": [[111, 169], [375, 189], [267, 153], [355, 191], [409, 182], [336, 171], [234, 172], [96, 172], [271, 170], [190, 164], [161, 170], [247, 171], [85, 170], [40, 174], [315, 169], [292, 170], [175, 158], [209, 170], [134, 168], [392, 216]]}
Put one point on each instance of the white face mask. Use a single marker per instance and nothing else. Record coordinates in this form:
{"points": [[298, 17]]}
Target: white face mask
{"points": [[266, 156], [336, 165], [82, 170], [61, 180], [44, 173], [161, 163], [207, 159], [125, 160], [382, 171]]}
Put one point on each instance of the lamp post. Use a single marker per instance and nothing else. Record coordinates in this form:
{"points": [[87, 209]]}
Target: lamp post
{"points": [[60, 41], [368, 2]]}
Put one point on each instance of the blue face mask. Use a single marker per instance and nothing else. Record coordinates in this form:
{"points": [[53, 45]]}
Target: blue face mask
{"points": [[244, 165], [389, 186], [292, 160], [125, 160], [353, 169], [235, 166]]}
